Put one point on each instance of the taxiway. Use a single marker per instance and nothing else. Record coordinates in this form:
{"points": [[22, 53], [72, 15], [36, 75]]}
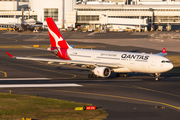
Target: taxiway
{"points": [[136, 97]]}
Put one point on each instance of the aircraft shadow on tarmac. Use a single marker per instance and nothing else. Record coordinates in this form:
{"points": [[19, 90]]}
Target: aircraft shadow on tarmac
{"points": [[150, 77]]}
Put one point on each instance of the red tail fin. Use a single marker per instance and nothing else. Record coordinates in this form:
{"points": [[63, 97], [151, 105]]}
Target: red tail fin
{"points": [[56, 38]]}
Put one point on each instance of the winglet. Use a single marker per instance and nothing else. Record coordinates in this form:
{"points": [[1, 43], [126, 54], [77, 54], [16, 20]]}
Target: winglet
{"points": [[163, 53], [164, 50], [9, 54]]}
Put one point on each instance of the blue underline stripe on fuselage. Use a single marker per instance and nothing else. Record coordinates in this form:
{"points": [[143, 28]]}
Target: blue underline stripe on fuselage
{"points": [[127, 59], [141, 60], [109, 58]]}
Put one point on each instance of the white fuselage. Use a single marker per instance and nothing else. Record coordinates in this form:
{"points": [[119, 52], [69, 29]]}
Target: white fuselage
{"points": [[131, 62]]}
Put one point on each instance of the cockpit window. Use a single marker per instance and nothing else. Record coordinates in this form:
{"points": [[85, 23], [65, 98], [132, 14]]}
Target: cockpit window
{"points": [[164, 61]]}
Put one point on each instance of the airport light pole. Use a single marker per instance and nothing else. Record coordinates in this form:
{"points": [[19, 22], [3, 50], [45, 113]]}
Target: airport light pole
{"points": [[152, 17], [62, 14], [140, 23]]}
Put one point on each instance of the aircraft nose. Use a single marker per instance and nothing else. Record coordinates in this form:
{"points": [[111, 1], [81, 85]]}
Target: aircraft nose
{"points": [[170, 66]]}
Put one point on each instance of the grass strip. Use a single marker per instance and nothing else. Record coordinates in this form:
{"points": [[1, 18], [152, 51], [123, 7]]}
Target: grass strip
{"points": [[16, 107]]}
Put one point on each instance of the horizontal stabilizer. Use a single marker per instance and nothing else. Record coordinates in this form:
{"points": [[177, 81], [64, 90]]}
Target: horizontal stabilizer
{"points": [[9, 54]]}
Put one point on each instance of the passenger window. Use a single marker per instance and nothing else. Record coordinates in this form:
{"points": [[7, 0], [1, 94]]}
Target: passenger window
{"points": [[163, 61]]}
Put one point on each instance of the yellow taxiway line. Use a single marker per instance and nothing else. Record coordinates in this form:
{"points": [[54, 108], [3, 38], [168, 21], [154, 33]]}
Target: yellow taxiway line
{"points": [[114, 96], [147, 89], [5, 74], [137, 87], [151, 34], [73, 76], [13, 38]]}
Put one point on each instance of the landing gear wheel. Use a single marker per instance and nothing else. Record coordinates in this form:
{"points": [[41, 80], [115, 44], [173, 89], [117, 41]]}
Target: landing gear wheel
{"points": [[92, 76], [121, 75], [125, 75], [157, 79], [117, 74], [89, 75]]}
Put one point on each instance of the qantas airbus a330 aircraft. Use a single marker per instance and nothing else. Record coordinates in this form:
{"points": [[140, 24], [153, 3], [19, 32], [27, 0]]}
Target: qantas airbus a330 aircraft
{"points": [[101, 62]]}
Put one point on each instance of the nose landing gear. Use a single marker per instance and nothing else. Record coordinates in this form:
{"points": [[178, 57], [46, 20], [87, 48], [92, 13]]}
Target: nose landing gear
{"points": [[157, 75]]}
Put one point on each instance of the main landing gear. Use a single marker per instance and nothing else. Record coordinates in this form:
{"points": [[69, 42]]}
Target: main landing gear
{"points": [[157, 75], [92, 75], [121, 75], [117, 75]]}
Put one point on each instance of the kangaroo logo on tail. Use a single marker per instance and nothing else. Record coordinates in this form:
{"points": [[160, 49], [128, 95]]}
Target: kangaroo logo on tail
{"points": [[58, 45], [56, 38]]}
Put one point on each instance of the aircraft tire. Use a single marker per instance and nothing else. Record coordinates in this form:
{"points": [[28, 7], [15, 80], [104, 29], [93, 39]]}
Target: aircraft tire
{"points": [[117, 74], [125, 75], [121, 75], [89, 75], [157, 79], [94, 76]]}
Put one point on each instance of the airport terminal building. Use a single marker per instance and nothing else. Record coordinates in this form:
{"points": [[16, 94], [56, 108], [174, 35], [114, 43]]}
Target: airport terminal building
{"points": [[116, 16], [97, 15]]}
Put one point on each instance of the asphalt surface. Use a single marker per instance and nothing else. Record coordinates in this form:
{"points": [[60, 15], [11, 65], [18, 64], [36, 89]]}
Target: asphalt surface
{"points": [[137, 97]]}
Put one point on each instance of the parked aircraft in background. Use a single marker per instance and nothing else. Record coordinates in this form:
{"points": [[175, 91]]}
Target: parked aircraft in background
{"points": [[29, 24], [22, 24], [101, 62]]}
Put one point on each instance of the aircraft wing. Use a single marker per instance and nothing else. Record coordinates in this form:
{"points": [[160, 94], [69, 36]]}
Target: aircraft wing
{"points": [[163, 53], [110, 65], [37, 48]]}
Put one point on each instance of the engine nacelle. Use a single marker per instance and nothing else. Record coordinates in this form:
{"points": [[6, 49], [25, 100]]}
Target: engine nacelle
{"points": [[102, 71]]}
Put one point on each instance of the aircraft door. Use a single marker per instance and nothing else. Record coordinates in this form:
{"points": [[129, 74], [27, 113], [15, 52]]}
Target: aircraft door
{"points": [[153, 62], [92, 57]]}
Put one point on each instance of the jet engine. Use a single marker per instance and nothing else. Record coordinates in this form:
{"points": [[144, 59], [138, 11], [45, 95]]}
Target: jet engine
{"points": [[102, 71]]}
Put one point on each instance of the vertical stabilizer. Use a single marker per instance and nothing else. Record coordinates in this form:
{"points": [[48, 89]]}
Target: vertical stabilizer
{"points": [[56, 38]]}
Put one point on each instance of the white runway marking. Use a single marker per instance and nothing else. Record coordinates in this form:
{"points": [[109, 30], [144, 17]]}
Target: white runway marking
{"points": [[25, 79], [91, 80], [91, 34], [39, 85]]}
